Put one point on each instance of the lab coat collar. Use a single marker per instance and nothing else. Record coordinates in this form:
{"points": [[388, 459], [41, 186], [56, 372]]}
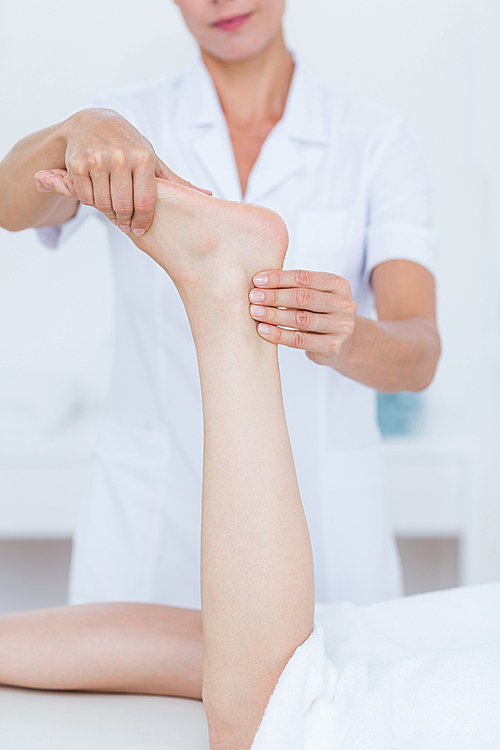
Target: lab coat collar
{"points": [[304, 117], [199, 119], [200, 122], [303, 124]]}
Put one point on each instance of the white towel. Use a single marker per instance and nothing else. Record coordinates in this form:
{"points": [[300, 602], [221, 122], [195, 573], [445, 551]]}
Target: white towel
{"points": [[419, 673]]}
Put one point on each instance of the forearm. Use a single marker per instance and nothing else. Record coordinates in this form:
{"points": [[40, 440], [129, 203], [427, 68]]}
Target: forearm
{"points": [[119, 648], [257, 572], [21, 204], [391, 356]]}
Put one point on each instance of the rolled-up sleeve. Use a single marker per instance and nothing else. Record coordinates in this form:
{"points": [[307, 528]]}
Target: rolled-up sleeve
{"points": [[400, 203]]}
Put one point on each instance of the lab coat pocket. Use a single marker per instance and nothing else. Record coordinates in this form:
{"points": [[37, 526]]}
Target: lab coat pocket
{"points": [[324, 241]]}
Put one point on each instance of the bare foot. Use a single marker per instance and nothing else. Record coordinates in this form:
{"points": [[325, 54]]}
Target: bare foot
{"points": [[203, 241]]}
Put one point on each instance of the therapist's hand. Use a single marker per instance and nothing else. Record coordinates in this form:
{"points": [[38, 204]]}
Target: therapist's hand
{"points": [[111, 166], [318, 307]]}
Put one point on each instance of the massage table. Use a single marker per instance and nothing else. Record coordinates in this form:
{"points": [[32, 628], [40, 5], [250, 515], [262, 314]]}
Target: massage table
{"points": [[46, 720]]}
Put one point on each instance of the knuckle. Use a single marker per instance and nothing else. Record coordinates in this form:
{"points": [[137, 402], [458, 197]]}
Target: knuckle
{"points": [[78, 165], [302, 277], [302, 297], [95, 160], [142, 156], [350, 309], [302, 319], [145, 205], [117, 158], [298, 339], [345, 287], [271, 314], [104, 205], [122, 209], [271, 297]]}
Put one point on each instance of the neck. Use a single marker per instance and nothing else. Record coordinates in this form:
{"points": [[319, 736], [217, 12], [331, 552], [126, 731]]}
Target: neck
{"points": [[255, 89]]}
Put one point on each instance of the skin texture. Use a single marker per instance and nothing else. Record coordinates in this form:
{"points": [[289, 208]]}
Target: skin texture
{"points": [[123, 648], [257, 568]]}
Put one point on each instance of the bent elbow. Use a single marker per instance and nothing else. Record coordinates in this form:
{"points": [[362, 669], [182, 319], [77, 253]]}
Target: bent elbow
{"points": [[430, 372], [11, 227]]}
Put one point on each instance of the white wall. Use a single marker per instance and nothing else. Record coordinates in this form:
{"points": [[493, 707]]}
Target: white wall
{"points": [[438, 60]]}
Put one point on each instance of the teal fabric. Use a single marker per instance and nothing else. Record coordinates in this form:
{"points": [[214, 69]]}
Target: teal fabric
{"points": [[399, 413]]}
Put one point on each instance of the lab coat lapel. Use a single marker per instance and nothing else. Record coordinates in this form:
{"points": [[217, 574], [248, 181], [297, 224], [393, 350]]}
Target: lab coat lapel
{"points": [[202, 126], [303, 123], [279, 158], [214, 151]]}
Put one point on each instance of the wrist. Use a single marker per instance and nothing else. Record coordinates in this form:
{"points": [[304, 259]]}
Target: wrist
{"points": [[59, 139], [73, 121], [78, 119]]}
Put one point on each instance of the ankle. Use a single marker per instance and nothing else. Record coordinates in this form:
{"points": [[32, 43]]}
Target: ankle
{"points": [[223, 288]]}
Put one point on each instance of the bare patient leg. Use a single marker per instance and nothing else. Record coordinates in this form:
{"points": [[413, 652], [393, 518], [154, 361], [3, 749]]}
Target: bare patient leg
{"points": [[257, 576], [125, 648], [257, 572]]}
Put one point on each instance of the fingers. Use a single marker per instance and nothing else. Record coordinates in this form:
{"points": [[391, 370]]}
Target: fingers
{"points": [[318, 306], [303, 320], [144, 195], [122, 198], [305, 299], [317, 280], [54, 181], [80, 177], [111, 178], [41, 181], [124, 192], [102, 195], [322, 345]]}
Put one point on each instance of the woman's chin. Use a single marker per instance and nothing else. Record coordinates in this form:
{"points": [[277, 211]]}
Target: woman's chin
{"points": [[238, 48]]}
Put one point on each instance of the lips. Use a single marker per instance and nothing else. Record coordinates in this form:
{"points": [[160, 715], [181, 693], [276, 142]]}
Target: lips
{"points": [[229, 24]]}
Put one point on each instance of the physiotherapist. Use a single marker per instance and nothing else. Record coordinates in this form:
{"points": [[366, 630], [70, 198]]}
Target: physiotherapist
{"points": [[248, 122]]}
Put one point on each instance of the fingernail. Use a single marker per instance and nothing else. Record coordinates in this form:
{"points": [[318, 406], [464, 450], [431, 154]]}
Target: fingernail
{"points": [[258, 311], [260, 279], [263, 328], [138, 232], [124, 227], [257, 296]]}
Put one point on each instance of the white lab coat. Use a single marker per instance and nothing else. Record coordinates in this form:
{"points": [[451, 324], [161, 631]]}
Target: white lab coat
{"points": [[348, 177]]}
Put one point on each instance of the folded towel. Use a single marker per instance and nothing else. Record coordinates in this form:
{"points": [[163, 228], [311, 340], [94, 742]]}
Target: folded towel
{"points": [[419, 673]]}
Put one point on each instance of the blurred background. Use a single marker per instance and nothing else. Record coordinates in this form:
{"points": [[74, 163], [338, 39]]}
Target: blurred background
{"points": [[439, 61]]}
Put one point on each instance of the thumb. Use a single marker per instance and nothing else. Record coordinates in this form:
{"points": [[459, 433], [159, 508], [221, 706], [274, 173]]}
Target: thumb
{"points": [[162, 171]]}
